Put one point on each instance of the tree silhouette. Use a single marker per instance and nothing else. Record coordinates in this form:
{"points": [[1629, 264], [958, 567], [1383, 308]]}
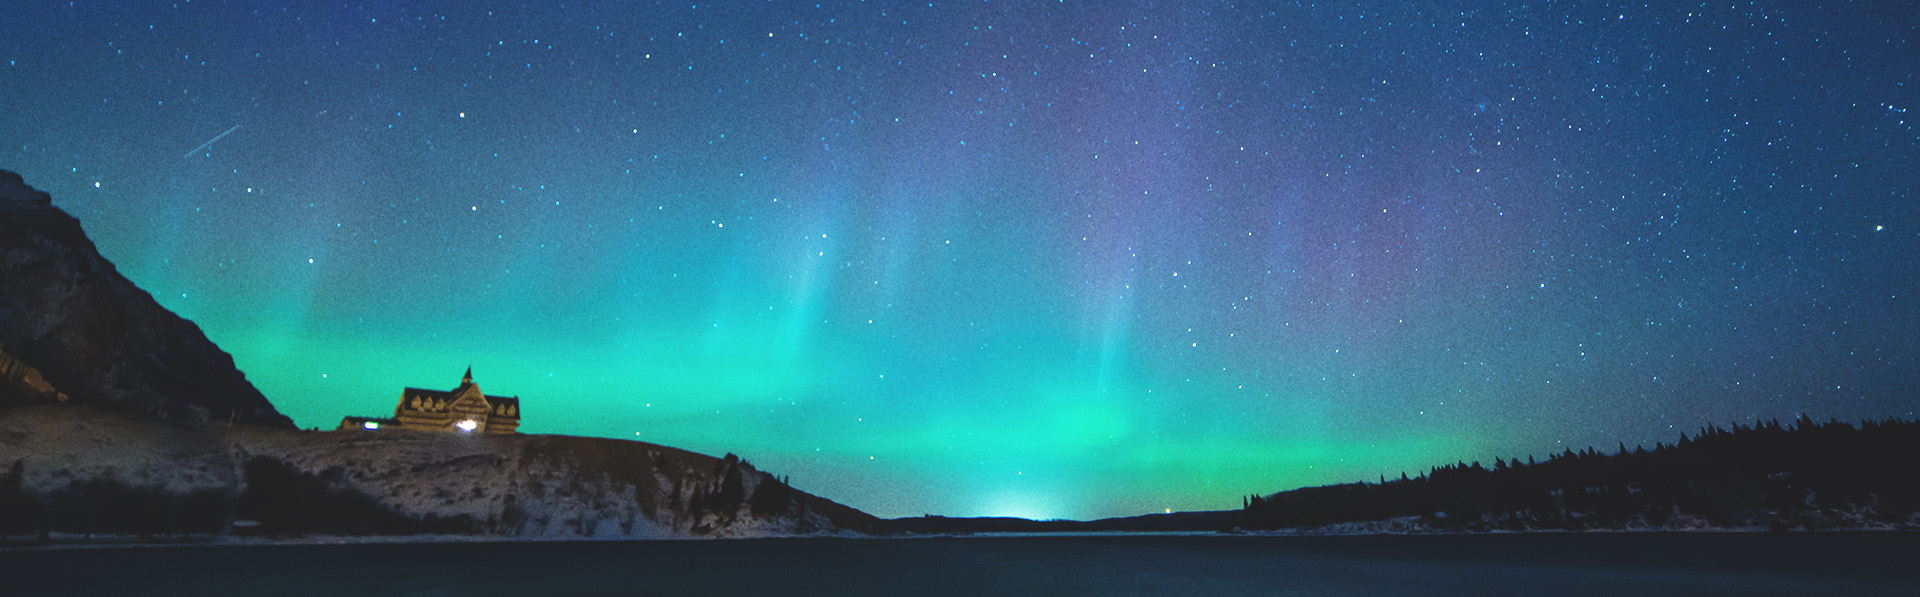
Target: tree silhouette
{"points": [[1808, 475]]}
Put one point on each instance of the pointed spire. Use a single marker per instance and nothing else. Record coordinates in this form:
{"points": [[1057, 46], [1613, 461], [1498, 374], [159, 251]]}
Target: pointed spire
{"points": [[468, 378]]}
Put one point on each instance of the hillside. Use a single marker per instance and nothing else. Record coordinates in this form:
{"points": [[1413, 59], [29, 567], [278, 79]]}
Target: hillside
{"points": [[73, 329], [118, 416], [87, 470], [1806, 476]]}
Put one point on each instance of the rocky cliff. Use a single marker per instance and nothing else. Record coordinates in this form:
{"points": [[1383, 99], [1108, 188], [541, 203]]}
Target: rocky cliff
{"points": [[76, 469], [72, 328]]}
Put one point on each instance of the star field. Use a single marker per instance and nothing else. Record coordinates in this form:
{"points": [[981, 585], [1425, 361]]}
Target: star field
{"points": [[1057, 259]]}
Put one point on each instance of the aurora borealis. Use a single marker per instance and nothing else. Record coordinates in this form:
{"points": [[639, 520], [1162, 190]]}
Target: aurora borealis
{"points": [[1043, 259]]}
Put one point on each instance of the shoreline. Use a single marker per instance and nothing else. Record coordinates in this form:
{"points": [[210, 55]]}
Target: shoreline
{"points": [[65, 541]]}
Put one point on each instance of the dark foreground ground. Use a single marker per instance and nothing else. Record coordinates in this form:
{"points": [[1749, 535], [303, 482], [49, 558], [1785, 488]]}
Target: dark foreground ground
{"points": [[1528, 564]]}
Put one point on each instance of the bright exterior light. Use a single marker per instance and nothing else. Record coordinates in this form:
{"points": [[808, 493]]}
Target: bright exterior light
{"points": [[370, 425], [466, 425]]}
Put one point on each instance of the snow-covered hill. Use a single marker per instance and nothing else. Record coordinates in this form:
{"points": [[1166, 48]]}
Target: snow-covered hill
{"points": [[82, 469]]}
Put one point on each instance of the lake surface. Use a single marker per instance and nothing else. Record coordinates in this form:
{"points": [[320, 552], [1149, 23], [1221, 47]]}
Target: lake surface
{"points": [[1531, 564]]}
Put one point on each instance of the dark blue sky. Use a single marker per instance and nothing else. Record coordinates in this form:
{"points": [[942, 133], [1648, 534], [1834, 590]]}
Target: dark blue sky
{"points": [[1028, 258]]}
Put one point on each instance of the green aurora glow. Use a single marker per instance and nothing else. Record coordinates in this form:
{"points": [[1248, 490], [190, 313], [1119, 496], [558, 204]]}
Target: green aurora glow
{"points": [[1013, 259]]}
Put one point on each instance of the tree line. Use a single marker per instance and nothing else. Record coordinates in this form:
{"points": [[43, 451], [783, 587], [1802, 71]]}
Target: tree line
{"points": [[1806, 475]]}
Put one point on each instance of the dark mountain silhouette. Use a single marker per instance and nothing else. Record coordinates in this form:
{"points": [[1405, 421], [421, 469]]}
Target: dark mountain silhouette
{"points": [[1804, 476], [73, 329], [106, 399]]}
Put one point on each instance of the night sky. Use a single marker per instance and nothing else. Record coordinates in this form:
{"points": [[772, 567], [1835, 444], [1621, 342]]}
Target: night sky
{"points": [[1043, 259]]}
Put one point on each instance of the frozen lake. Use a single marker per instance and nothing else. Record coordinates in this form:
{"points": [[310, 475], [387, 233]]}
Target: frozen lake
{"points": [[1591, 563]]}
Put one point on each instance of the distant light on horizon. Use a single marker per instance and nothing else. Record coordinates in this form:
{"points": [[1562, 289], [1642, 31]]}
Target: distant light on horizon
{"points": [[1075, 263]]}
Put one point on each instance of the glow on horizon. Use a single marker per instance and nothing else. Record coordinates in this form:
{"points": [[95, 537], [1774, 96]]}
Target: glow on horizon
{"points": [[982, 259]]}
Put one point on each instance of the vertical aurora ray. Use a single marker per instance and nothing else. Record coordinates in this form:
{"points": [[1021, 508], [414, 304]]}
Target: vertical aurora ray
{"points": [[1027, 259]]}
